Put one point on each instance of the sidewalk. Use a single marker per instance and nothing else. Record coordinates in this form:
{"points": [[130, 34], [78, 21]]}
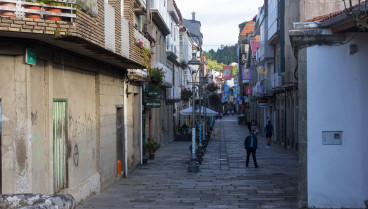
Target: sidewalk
{"points": [[223, 180]]}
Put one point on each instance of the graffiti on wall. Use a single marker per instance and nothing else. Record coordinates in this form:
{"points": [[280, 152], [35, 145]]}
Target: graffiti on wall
{"points": [[81, 131], [81, 127], [78, 152]]}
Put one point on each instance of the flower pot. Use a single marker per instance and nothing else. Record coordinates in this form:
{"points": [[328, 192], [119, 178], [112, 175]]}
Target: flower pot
{"points": [[151, 156], [145, 161], [7, 13], [51, 17], [30, 14], [154, 78]]}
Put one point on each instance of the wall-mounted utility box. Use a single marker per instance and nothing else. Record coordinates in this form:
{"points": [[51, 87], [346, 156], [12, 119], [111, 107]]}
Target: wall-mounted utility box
{"points": [[332, 137]]}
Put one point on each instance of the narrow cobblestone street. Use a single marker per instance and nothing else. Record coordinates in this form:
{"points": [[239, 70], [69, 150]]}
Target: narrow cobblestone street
{"points": [[223, 180]]}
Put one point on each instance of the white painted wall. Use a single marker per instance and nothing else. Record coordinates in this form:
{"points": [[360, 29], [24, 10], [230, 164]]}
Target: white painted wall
{"points": [[337, 100]]}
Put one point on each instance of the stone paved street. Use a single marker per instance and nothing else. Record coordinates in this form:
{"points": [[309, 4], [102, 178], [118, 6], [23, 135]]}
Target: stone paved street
{"points": [[223, 180]]}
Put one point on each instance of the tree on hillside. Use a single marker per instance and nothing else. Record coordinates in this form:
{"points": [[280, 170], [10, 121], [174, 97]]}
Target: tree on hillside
{"points": [[225, 54]]}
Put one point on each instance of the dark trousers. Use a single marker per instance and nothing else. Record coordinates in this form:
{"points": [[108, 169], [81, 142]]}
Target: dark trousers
{"points": [[253, 152]]}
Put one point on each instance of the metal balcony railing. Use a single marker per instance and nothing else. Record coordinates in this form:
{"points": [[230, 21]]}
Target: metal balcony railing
{"points": [[62, 10]]}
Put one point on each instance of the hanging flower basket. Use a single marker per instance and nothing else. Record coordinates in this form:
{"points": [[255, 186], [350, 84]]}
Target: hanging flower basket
{"points": [[156, 75], [186, 94]]}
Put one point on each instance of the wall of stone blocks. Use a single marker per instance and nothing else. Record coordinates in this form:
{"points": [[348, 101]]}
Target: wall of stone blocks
{"points": [[37, 26], [110, 88], [133, 126]]}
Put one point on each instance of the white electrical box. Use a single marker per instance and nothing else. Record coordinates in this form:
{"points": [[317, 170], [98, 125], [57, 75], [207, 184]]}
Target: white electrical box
{"points": [[332, 137]]}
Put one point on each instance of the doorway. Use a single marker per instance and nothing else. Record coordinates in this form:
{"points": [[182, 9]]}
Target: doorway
{"points": [[60, 138], [120, 145]]}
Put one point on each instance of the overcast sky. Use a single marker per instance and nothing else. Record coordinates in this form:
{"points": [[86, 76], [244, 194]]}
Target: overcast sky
{"points": [[219, 18]]}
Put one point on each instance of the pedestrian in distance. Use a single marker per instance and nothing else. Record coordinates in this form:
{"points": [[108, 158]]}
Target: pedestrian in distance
{"points": [[249, 124], [254, 127], [250, 144], [269, 133]]}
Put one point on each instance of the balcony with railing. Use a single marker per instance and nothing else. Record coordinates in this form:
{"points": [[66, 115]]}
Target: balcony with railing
{"points": [[140, 7], [85, 27], [171, 50], [138, 74], [265, 52], [160, 15], [173, 10]]}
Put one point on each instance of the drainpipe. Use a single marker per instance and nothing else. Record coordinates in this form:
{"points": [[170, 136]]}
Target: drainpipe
{"points": [[282, 57], [125, 127], [173, 80], [282, 35], [141, 118], [285, 120]]}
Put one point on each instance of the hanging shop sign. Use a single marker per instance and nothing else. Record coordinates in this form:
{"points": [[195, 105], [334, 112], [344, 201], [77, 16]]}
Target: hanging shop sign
{"points": [[226, 89], [237, 90], [30, 56], [227, 72], [259, 89], [248, 90], [152, 93], [223, 98], [246, 74], [153, 103], [262, 70], [263, 102]]}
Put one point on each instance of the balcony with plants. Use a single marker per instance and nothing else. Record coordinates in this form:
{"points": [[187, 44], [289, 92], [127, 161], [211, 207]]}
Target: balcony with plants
{"points": [[85, 27], [142, 47]]}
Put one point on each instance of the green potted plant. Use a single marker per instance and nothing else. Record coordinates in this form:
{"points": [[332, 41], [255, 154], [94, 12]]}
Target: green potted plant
{"points": [[150, 147], [186, 94], [156, 75]]}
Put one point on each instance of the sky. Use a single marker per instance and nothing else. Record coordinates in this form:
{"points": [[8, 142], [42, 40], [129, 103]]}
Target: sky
{"points": [[219, 18]]}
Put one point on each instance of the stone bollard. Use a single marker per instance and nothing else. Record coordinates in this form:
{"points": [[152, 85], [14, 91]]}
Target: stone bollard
{"points": [[37, 201]]}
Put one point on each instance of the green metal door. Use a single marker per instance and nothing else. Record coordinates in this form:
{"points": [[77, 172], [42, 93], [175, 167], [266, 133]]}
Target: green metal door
{"points": [[60, 133]]}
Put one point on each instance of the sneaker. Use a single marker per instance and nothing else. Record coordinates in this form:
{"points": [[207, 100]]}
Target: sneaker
{"points": [[256, 166]]}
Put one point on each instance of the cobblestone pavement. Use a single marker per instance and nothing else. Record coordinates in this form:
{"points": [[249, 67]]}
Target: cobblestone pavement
{"points": [[223, 180]]}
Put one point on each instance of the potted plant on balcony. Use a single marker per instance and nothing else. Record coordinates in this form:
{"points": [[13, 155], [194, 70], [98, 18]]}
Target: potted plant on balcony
{"points": [[212, 87], [186, 94], [54, 9], [7, 12], [156, 75], [30, 4], [150, 147]]}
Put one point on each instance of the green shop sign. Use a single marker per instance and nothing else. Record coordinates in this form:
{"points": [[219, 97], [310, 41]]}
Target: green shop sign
{"points": [[153, 103], [152, 92], [31, 56]]}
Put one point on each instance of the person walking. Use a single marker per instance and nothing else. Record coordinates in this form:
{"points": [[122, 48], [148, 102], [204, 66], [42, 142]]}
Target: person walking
{"points": [[250, 144], [254, 127], [269, 133]]}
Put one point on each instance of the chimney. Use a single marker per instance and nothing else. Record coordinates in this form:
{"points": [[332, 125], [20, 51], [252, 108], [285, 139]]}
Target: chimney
{"points": [[193, 15]]}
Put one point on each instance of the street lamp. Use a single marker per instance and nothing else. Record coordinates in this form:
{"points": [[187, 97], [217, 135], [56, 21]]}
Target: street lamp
{"points": [[193, 165]]}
